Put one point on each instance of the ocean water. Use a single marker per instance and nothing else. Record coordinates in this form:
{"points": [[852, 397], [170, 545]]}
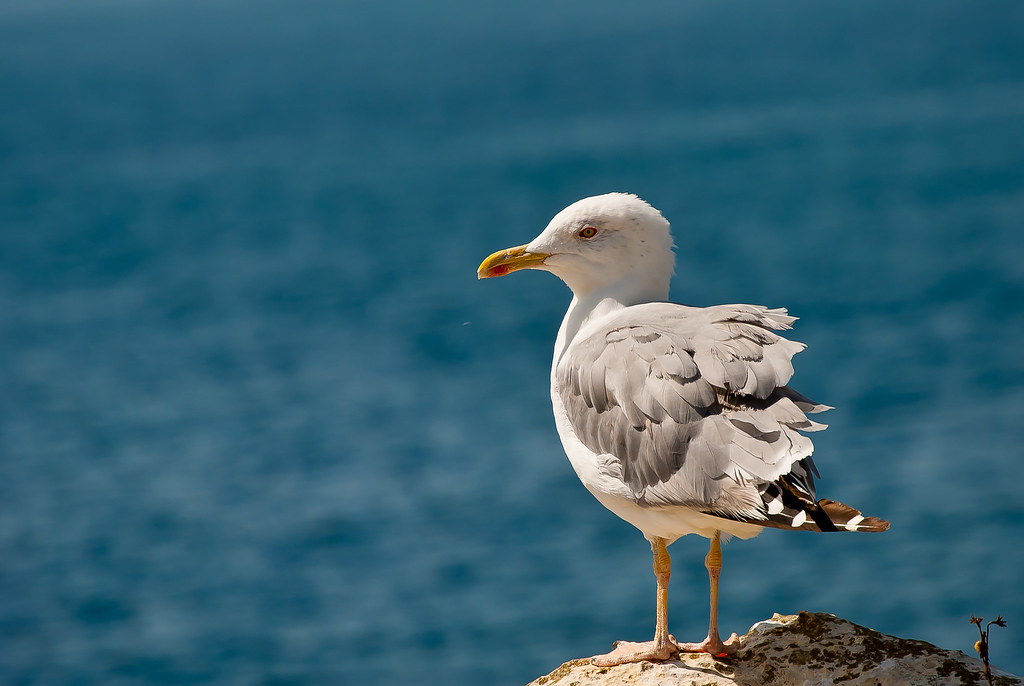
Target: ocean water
{"points": [[260, 423]]}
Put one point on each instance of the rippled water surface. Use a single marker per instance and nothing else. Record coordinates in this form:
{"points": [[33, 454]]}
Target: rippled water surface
{"points": [[259, 423]]}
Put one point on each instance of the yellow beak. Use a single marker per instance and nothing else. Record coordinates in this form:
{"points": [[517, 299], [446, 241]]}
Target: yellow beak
{"points": [[507, 261]]}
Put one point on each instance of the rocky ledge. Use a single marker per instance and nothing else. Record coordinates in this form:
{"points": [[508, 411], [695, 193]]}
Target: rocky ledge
{"points": [[808, 649]]}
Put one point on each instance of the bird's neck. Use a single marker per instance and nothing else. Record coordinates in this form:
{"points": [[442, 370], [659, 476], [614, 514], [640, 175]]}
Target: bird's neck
{"points": [[591, 305]]}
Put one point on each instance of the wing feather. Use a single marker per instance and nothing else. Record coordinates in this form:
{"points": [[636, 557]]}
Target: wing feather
{"points": [[689, 406]]}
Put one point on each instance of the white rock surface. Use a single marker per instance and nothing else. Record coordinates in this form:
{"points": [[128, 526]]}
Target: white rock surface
{"points": [[798, 650]]}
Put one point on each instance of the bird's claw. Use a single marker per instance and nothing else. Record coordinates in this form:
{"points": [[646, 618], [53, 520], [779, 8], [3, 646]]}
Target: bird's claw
{"points": [[714, 646], [627, 651]]}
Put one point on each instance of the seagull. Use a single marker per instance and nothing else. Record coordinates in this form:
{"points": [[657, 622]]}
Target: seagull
{"points": [[678, 419]]}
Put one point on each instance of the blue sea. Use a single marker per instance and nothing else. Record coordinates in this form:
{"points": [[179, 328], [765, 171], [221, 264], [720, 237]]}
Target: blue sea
{"points": [[261, 424]]}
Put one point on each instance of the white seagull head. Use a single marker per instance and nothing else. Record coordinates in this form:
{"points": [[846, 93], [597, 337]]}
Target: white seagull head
{"points": [[612, 242]]}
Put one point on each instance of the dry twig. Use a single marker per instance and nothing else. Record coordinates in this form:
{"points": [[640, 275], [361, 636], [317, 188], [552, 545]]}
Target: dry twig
{"points": [[982, 644]]}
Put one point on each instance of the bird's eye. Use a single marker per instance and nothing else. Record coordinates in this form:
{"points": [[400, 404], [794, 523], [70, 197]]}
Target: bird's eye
{"points": [[587, 232]]}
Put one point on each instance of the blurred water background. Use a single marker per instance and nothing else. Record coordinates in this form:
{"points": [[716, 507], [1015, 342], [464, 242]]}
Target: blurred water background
{"points": [[260, 424]]}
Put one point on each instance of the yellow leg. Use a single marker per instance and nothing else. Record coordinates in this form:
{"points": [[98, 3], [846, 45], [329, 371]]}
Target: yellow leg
{"points": [[662, 572], [713, 643], [663, 646], [713, 562]]}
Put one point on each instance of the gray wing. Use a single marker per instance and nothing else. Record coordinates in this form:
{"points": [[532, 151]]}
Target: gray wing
{"points": [[692, 405]]}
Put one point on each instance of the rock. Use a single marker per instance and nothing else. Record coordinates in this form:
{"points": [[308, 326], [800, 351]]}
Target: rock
{"points": [[803, 650]]}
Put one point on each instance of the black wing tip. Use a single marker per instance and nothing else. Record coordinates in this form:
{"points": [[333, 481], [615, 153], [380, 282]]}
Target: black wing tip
{"points": [[803, 514], [846, 518]]}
